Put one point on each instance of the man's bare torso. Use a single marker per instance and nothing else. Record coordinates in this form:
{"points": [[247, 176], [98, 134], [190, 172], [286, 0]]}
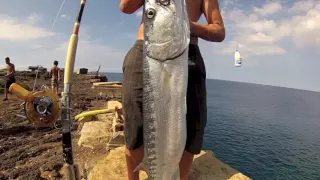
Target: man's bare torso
{"points": [[10, 68], [194, 10]]}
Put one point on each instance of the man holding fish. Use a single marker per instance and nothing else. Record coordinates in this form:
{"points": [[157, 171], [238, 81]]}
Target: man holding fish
{"points": [[133, 83]]}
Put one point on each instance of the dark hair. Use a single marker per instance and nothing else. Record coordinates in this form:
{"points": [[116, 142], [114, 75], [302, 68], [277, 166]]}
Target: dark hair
{"points": [[7, 59], [55, 63]]}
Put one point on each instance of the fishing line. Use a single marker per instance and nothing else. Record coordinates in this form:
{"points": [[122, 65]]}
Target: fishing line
{"points": [[54, 21]]}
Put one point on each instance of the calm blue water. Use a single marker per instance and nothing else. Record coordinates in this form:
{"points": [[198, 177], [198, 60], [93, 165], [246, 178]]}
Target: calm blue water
{"points": [[267, 133]]}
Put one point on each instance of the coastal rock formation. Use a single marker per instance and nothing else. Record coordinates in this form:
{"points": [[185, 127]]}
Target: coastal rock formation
{"points": [[103, 129], [110, 89], [107, 129], [205, 167], [94, 133]]}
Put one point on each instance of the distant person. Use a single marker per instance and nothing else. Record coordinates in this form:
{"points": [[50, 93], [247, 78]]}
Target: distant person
{"points": [[55, 77], [9, 77]]}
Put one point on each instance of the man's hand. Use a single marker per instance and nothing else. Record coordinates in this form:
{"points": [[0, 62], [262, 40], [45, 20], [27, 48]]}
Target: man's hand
{"points": [[130, 6]]}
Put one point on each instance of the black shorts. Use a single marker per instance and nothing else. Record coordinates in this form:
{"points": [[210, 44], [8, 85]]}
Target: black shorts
{"points": [[10, 81], [132, 99]]}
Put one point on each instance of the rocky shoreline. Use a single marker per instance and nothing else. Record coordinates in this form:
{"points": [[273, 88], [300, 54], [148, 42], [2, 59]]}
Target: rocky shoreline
{"points": [[98, 144]]}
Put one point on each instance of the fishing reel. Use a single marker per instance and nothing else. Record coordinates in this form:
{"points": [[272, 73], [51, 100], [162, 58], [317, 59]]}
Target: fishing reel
{"points": [[42, 108]]}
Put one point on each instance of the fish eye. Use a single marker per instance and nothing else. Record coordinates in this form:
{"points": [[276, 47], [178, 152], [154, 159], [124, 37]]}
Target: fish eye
{"points": [[164, 2], [151, 13]]}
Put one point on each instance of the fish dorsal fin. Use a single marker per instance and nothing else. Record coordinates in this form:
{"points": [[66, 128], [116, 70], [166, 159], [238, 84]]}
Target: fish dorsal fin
{"points": [[141, 167]]}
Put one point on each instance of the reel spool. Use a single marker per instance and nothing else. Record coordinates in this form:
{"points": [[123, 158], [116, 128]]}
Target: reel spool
{"points": [[41, 108]]}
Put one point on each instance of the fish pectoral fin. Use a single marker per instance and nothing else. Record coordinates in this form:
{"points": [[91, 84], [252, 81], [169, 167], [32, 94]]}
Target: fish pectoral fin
{"points": [[139, 167]]}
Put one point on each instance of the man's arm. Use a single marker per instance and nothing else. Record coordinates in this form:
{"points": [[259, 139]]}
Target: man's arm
{"points": [[59, 76], [214, 31], [130, 6]]}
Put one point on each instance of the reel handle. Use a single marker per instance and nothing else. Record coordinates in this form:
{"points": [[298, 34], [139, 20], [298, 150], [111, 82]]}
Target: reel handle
{"points": [[20, 92]]}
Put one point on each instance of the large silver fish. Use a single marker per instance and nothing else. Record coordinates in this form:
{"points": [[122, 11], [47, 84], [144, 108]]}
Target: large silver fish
{"points": [[165, 78]]}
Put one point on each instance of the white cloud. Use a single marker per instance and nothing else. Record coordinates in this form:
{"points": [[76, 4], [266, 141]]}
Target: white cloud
{"points": [[34, 18], [252, 35], [36, 46], [261, 38], [302, 6], [90, 54], [257, 34], [139, 13], [306, 27], [268, 9], [65, 16], [14, 29], [263, 25]]}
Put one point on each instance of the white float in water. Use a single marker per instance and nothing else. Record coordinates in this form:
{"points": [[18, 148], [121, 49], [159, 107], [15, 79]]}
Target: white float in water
{"points": [[237, 59]]}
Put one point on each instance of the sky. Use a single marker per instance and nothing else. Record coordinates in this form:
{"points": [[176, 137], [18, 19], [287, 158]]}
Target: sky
{"points": [[278, 40]]}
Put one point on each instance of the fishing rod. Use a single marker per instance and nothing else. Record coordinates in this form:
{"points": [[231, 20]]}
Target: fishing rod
{"points": [[42, 108], [71, 170]]}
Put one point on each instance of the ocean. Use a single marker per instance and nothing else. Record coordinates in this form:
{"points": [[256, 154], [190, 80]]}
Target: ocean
{"points": [[265, 132]]}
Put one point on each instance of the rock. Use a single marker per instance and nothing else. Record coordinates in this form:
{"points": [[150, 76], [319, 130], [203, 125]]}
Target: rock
{"points": [[105, 117], [205, 167], [114, 104], [86, 119], [94, 80], [116, 140], [110, 89], [239, 176], [112, 167], [107, 83], [116, 119], [100, 77], [118, 127], [94, 133]]}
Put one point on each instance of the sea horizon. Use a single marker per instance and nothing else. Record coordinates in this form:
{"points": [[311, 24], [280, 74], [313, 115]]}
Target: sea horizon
{"points": [[253, 83]]}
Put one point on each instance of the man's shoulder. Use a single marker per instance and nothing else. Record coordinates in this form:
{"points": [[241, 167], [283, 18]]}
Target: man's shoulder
{"points": [[10, 65]]}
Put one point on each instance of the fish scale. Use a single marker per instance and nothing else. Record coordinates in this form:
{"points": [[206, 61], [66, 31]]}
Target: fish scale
{"points": [[165, 75]]}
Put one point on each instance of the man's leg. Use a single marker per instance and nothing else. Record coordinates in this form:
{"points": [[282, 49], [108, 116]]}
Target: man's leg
{"points": [[6, 89], [57, 88], [133, 158], [185, 165], [196, 121], [196, 110], [132, 108], [5, 94], [52, 86]]}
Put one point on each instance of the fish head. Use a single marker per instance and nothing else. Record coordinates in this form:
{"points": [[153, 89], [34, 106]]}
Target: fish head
{"points": [[166, 28]]}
